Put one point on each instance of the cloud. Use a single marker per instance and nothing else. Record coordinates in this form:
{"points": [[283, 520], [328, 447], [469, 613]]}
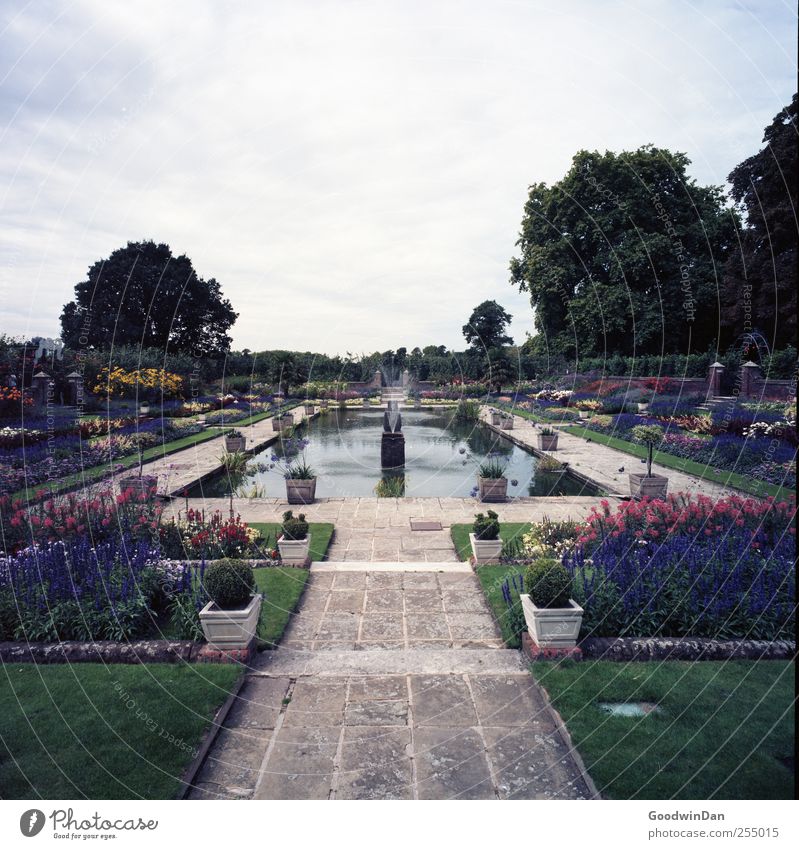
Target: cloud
{"points": [[352, 173]]}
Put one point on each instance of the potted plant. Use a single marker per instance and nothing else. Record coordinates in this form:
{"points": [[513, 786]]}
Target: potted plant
{"points": [[324, 404], [552, 617], [294, 541], [496, 417], [310, 408], [484, 539], [648, 485], [547, 439], [506, 422], [235, 441], [365, 401], [492, 484], [300, 477], [643, 401], [230, 619]]}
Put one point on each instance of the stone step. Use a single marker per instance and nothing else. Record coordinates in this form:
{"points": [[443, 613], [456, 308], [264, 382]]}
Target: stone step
{"points": [[390, 566], [415, 661]]}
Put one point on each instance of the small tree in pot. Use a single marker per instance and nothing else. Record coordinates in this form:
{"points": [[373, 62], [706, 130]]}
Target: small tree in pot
{"points": [[295, 541], [484, 538], [492, 484], [230, 619], [553, 618], [648, 485]]}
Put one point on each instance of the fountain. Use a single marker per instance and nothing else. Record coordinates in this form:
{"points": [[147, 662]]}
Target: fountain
{"points": [[392, 446]]}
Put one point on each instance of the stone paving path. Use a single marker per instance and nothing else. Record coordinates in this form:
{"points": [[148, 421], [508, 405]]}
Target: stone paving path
{"points": [[601, 463], [392, 685]]}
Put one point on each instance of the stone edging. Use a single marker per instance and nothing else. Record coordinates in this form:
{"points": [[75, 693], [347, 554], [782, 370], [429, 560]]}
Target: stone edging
{"points": [[685, 648]]}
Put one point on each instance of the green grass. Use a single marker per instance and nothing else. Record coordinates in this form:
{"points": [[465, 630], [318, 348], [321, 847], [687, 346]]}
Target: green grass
{"points": [[321, 534], [699, 470], [491, 578], [507, 532], [259, 417], [726, 730], [282, 588], [103, 732]]}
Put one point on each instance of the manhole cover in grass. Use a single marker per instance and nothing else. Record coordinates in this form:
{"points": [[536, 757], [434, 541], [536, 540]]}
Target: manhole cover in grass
{"points": [[418, 525], [629, 708]]}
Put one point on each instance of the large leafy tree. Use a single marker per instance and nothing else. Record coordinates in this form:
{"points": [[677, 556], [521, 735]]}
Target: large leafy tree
{"points": [[622, 256], [143, 295], [759, 286], [486, 327]]}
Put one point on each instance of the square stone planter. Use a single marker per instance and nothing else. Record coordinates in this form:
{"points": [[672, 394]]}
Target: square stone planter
{"points": [[277, 423], [547, 443], [365, 402], [310, 409], [643, 406], [496, 419], [324, 405], [300, 491], [485, 550], [145, 485], [552, 627], [492, 489], [234, 443], [506, 423], [231, 629], [642, 486], [294, 552]]}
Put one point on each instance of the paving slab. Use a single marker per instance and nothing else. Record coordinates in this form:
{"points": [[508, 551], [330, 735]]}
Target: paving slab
{"points": [[451, 764]]}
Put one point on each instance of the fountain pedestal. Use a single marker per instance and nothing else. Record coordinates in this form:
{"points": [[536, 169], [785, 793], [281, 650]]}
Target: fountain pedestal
{"points": [[392, 450]]}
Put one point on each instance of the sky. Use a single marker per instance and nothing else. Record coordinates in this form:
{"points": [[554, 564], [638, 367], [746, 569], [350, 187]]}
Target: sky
{"points": [[352, 173]]}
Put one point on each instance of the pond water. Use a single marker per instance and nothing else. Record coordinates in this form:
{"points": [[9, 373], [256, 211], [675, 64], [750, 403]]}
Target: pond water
{"points": [[441, 459]]}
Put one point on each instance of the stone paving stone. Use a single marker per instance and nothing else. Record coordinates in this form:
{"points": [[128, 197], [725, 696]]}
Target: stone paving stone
{"points": [[451, 764], [319, 581], [316, 702], [384, 580], [426, 626], [472, 626], [423, 601], [442, 700], [236, 759], [417, 580], [382, 626], [375, 763], [259, 703], [314, 599], [456, 601], [339, 626], [303, 626], [380, 599], [349, 581], [300, 765], [511, 700], [391, 687], [346, 601], [377, 712]]}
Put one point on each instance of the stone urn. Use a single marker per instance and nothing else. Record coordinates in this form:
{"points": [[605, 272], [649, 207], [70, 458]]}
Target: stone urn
{"points": [[141, 486], [229, 630], [294, 552], [300, 490], [493, 489], [485, 551], [552, 627], [548, 441], [234, 444], [648, 486]]}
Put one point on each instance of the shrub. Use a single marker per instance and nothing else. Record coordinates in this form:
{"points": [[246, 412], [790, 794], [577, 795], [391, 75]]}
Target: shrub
{"points": [[486, 527], [294, 528], [548, 583], [229, 583], [467, 411], [492, 468], [391, 487]]}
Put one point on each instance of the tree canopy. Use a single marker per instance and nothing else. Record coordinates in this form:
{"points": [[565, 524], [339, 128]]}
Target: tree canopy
{"points": [[143, 295], [759, 285], [622, 256], [486, 327]]}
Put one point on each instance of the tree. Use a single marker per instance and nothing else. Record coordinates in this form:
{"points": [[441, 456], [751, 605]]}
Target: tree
{"points": [[142, 295], [759, 283], [486, 327], [499, 369], [620, 256]]}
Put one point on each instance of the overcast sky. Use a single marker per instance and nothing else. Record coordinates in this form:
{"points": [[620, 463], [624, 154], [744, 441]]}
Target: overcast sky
{"points": [[353, 173]]}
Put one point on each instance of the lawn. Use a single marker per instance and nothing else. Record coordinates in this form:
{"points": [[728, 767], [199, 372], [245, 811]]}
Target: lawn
{"points": [[321, 534], [726, 729], [282, 588], [104, 732], [508, 531], [491, 578], [745, 483]]}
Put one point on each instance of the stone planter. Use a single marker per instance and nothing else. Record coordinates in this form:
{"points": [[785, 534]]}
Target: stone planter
{"points": [[276, 423], [234, 443], [643, 406], [642, 486], [492, 489], [145, 485], [324, 405], [310, 409], [506, 423], [552, 627], [294, 552], [365, 402], [485, 550], [229, 630], [300, 491], [548, 442], [496, 419]]}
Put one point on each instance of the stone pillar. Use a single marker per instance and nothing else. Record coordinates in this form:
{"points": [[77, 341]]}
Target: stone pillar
{"points": [[75, 381], [750, 374], [41, 388], [406, 378], [377, 380], [714, 374], [392, 450]]}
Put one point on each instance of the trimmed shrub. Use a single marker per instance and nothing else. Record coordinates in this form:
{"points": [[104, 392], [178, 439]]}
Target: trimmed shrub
{"points": [[548, 583], [230, 583], [486, 527], [294, 527]]}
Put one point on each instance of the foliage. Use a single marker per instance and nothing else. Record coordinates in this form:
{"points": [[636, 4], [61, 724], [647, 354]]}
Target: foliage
{"points": [[391, 486], [229, 583], [292, 463], [649, 436], [493, 467], [143, 295], [486, 527], [548, 583], [467, 411], [144, 384], [601, 252], [198, 536], [486, 327], [294, 528]]}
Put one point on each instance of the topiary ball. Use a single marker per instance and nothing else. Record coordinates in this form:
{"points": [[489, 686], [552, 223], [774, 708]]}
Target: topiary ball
{"points": [[548, 583], [229, 583]]}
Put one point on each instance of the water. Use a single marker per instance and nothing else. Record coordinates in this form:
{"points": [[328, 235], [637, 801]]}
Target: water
{"points": [[441, 459], [629, 709]]}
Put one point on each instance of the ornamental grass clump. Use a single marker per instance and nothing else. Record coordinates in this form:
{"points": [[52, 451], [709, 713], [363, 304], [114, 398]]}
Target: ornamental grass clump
{"points": [[486, 527], [548, 583], [492, 468], [229, 583], [294, 527]]}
